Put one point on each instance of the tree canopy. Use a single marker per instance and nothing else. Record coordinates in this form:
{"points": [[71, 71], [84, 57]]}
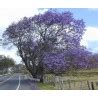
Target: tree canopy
{"points": [[53, 37], [6, 62]]}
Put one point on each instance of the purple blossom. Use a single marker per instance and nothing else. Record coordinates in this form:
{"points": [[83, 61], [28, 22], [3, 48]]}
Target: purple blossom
{"points": [[55, 61]]}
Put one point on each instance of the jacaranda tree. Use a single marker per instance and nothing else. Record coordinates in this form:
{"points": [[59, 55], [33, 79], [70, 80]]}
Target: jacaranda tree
{"points": [[44, 33]]}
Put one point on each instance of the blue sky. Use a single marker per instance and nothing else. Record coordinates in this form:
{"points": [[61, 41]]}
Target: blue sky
{"points": [[89, 15]]}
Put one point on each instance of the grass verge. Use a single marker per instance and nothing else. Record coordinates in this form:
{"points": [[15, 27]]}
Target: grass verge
{"points": [[44, 86]]}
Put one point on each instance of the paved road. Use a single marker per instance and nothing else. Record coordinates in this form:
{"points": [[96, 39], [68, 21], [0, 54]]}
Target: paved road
{"points": [[17, 82]]}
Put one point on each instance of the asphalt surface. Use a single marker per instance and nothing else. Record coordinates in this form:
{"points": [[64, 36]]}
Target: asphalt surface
{"points": [[17, 82]]}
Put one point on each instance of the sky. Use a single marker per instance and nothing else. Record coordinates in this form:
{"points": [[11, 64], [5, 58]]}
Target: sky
{"points": [[14, 10]]}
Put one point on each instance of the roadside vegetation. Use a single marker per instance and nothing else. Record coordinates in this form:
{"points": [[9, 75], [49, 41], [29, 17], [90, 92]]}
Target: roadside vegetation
{"points": [[80, 79], [44, 86], [6, 64]]}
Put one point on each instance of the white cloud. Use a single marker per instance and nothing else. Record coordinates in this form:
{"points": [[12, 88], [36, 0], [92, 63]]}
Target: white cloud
{"points": [[90, 35], [95, 50], [7, 16]]}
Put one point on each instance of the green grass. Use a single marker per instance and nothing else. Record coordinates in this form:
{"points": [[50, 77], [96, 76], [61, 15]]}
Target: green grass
{"points": [[44, 86], [90, 75], [75, 78], [83, 72]]}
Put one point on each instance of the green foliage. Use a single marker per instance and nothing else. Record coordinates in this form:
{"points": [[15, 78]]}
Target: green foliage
{"points": [[20, 68], [6, 62], [43, 86]]}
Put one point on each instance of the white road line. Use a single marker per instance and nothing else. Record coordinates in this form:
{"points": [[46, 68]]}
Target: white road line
{"points": [[6, 80], [18, 84]]}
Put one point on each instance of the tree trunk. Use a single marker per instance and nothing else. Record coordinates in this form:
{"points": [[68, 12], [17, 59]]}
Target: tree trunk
{"points": [[30, 67], [41, 72], [31, 70], [41, 79]]}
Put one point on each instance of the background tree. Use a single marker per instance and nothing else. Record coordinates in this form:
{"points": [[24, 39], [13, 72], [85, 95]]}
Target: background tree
{"points": [[20, 68], [43, 33], [6, 63]]}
